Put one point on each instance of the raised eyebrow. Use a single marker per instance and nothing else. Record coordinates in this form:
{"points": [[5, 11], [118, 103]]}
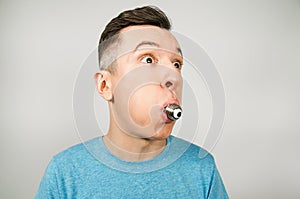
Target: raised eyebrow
{"points": [[146, 43], [150, 43], [180, 51]]}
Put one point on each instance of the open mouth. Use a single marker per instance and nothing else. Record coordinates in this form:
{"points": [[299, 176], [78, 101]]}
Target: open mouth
{"points": [[171, 111], [165, 117]]}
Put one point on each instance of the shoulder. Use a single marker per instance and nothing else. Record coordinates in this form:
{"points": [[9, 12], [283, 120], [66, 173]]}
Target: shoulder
{"points": [[73, 155], [195, 164], [194, 155]]}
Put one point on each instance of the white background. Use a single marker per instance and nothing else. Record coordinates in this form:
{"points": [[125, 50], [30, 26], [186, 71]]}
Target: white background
{"points": [[254, 44]]}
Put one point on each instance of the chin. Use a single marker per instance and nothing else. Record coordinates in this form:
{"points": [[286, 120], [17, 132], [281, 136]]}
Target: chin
{"points": [[164, 133]]}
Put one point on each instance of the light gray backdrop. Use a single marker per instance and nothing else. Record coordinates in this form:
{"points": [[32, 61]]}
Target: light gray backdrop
{"points": [[254, 44]]}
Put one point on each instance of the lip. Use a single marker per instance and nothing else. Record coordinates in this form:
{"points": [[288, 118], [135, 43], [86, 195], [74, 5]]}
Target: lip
{"points": [[171, 101], [165, 118], [164, 115]]}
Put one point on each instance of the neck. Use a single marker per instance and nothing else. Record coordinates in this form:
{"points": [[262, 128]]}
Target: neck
{"points": [[130, 148]]}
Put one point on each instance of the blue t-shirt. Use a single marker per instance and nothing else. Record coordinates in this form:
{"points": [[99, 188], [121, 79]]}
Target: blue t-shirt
{"points": [[89, 170]]}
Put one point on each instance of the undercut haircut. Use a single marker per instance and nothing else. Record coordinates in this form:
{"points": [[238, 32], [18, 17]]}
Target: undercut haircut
{"points": [[147, 15]]}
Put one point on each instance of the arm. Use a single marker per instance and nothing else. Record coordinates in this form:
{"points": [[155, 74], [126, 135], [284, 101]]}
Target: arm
{"points": [[217, 189]]}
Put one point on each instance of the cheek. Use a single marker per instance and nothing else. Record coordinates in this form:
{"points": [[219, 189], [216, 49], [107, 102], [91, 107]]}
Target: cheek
{"points": [[142, 101]]}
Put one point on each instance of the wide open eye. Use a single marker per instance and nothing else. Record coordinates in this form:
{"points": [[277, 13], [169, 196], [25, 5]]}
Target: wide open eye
{"points": [[147, 59], [177, 64]]}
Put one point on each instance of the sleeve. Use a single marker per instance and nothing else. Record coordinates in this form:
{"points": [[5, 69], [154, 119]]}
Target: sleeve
{"points": [[48, 188], [217, 189]]}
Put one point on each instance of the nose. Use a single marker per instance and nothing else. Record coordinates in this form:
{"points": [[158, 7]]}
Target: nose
{"points": [[168, 84], [170, 78], [171, 74]]}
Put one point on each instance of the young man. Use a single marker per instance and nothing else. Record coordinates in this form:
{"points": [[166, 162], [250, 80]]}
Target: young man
{"points": [[140, 78]]}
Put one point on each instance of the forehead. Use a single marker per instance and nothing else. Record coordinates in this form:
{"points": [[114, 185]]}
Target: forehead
{"points": [[151, 36]]}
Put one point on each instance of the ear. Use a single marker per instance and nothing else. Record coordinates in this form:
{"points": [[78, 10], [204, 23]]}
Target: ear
{"points": [[104, 84]]}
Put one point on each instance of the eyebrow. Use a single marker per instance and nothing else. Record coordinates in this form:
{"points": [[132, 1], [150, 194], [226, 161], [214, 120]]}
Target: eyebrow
{"points": [[150, 43]]}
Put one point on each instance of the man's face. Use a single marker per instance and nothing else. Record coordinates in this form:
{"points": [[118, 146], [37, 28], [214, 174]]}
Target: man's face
{"points": [[147, 79]]}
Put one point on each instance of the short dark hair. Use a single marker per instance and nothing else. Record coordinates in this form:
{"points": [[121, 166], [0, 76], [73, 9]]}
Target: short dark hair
{"points": [[147, 15]]}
